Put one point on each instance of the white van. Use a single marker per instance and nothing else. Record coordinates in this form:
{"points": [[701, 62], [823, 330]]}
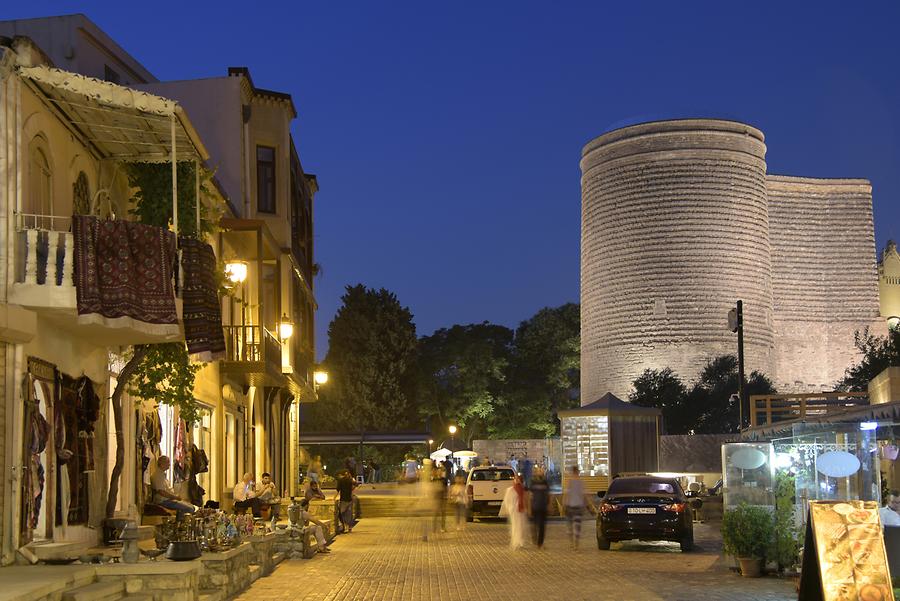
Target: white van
{"points": [[486, 487]]}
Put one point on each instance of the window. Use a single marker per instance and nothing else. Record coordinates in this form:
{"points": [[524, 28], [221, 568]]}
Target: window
{"points": [[111, 75], [625, 486], [39, 201], [492, 475], [265, 179]]}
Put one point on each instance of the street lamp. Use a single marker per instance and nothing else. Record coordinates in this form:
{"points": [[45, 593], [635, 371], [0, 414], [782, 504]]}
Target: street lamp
{"points": [[452, 430], [320, 377], [236, 271], [285, 327], [430, 442]]}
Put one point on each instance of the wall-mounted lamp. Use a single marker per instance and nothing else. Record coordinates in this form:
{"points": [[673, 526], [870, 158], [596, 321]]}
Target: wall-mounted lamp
{"points": [[285, 327], [236, 271], [320, 377]]}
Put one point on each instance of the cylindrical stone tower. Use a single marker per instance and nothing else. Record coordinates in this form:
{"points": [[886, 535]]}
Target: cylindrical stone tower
{"points": [[674, 230]]}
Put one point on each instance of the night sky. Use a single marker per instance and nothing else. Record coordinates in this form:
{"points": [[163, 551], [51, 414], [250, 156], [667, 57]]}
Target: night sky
{"points": [[446, 136]]}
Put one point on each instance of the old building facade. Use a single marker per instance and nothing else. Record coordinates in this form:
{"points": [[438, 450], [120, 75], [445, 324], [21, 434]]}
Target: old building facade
{"points": [[680, 219]]}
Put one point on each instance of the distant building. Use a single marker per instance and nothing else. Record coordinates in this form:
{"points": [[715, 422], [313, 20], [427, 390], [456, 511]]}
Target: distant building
{"points": [[889, 284], [680, 219]]}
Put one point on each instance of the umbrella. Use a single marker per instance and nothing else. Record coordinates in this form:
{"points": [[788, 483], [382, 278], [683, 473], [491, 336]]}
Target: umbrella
{"points": [[465, 453], [440, 454]]}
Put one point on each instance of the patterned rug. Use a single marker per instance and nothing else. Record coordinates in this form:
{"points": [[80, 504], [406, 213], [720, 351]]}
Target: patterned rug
{"points": [[202, 312], [124, 275]]}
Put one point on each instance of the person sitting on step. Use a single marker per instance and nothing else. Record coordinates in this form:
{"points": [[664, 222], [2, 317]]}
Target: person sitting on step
{"points": [[245, 496]]}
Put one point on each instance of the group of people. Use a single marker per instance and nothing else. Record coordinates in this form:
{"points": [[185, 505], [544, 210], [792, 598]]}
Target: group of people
{"points": [[522, 502]]}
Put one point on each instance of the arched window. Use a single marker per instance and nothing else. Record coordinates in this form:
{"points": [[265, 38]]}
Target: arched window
{"points": [[81, 195], [39, 200]]}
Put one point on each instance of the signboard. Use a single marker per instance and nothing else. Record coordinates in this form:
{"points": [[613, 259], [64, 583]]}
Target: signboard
{"points": [[844, 557]]}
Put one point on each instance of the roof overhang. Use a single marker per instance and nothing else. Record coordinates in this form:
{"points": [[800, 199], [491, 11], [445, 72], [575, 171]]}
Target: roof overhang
{"points": [[116, 122]]}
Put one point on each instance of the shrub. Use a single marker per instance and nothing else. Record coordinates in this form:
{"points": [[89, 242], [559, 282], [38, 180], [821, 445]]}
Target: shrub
{"points": [[747, 531]]}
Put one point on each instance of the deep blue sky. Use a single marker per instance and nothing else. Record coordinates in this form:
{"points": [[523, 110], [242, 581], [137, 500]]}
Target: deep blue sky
{"points": [[446, 136]]}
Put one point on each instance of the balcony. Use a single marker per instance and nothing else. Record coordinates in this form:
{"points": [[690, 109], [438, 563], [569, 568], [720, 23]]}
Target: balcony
{"points": [[44, 267], [252, 354]]}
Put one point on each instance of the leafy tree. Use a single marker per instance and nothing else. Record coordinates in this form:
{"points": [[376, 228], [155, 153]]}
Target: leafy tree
{"points": [[708, 406], [662, 389], [878, 353], [545, 372], [371, 358], [462, 374]]}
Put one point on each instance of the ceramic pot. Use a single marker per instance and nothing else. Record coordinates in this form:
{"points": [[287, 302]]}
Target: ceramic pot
{"points": [[751, 567], [183, 550]]}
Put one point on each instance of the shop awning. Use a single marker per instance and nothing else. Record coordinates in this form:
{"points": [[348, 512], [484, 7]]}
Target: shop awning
{"points": [[114, 121]]}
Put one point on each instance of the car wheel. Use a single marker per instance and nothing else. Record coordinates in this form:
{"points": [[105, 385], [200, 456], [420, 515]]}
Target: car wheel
{"points": [[687, 544], [602, 543]]}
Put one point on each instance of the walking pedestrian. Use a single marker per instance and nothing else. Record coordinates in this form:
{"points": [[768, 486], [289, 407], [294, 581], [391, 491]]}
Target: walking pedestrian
{"points": [[410, 468], [527, 467], [439, 490], [459, 500], [514, 509], [540, 501], [344, 498], [573, 501]]}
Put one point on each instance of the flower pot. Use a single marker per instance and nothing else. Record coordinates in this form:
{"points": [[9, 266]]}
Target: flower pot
{"points": [[751, 567]]}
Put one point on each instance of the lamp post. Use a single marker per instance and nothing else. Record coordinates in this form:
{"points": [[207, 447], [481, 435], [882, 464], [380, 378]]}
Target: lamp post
{"points": [[736, 324], [452, 430], [236, 272], [430, 442]]}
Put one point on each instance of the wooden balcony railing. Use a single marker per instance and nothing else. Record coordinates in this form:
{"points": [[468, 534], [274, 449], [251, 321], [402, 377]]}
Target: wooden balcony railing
{"points": [[766, 410]]}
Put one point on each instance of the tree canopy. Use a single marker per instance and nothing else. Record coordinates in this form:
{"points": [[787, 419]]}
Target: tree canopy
{"points": [[371, 357], [878, 353], [707, 407]]}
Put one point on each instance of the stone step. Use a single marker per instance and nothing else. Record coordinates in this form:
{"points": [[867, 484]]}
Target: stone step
{"points": [[110, 590], [138, 597], [255, 573], [211, 595]]}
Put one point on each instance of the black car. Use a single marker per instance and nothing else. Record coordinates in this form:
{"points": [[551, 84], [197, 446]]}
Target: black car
{"points": [[645, 508]]}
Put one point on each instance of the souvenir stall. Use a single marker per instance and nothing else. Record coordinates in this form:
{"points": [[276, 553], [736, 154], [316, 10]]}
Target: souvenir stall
{"points": [[609, 437]]}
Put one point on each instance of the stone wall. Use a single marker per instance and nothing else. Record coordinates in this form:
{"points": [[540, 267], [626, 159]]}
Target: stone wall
{"points": [[674, 231], [824, 277]]}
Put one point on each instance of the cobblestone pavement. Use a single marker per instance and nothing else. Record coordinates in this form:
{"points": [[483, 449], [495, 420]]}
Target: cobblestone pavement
{"points": [[384, 559]]}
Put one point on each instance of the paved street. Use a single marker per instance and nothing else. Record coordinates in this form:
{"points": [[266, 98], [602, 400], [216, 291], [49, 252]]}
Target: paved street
{"points": [[385, 559]]}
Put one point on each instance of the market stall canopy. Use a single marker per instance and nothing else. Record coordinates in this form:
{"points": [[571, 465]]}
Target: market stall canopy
{"points": [[453, 445], [465, 453], [114, 121], [610, 404], [440, 454]]}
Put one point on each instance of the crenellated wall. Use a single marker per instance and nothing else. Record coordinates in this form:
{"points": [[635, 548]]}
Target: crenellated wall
{"points": [[680, 220]]}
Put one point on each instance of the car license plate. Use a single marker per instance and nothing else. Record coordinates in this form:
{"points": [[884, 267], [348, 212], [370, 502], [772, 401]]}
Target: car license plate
{"points": [[650, 510], [494, 502]]}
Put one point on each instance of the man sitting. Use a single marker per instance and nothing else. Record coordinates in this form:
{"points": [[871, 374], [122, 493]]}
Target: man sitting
{"points": [[163, 494], [313, 492], [265, 492], [245, 495], [319, 531]]}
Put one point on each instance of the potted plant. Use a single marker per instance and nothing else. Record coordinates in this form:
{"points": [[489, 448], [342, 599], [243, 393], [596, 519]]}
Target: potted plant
{"points": [[747, 533]]}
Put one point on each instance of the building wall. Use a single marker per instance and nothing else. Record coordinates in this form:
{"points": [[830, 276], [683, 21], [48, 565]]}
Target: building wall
{"points": [[889, 284], [75, 43], [823, 277], [674, 231]]}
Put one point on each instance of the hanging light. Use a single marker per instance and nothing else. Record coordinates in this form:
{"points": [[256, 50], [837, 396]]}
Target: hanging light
{"points": [[320, 377], [285, 327], [236, 271]]}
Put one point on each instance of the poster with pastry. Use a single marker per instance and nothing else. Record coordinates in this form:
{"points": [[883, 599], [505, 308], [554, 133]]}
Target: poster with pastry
{"points": [[849, 547]]}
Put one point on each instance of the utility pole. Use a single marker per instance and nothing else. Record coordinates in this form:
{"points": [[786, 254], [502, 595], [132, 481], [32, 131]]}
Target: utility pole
{"points": [[736, 324]]}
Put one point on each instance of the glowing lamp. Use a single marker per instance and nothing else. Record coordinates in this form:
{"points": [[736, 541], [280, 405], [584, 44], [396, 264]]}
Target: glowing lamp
{"points": [[320, 377], [236, 271], [285, 327], [452, 429]]}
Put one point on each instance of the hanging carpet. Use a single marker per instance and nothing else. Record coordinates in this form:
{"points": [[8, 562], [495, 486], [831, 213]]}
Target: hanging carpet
{"points": [[124, 275], [202, 312]]}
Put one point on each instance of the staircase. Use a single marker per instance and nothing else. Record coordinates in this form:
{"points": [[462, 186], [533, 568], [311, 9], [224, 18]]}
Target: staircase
{"points": [[387, 506], [106, 590]]}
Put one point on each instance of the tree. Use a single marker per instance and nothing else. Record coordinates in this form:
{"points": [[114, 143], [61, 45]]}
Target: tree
{"points": [[878, 353], [545, 373], [371, 358], [662, 389], [462, 374], [708, 407]]}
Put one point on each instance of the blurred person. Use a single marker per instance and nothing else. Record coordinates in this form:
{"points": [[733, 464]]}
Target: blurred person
{"points": [[573, 501], [439, 507], [315, 468], [344, 497], [411, 468], [460, 500], [889, 513], [164, 495], [245, 495], [514, 509], [540, 501]]}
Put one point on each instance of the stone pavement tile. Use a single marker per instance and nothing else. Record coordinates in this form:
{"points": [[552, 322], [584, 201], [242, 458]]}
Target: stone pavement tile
{"points": [[385, 559]]}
